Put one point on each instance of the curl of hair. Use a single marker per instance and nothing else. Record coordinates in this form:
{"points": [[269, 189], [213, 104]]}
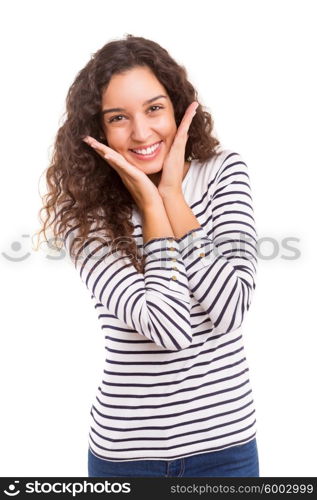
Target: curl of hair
{"points": [[81, 186]]}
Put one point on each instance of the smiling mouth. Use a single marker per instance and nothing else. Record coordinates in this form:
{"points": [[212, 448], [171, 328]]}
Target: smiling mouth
{"points": [[148, 152]]}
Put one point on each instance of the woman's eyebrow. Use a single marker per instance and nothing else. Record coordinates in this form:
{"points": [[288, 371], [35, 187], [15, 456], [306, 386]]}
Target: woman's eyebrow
{"points": [[104, 111]]}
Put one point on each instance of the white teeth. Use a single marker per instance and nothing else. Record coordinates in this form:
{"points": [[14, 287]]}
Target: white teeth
{"points": [[146, 151]]}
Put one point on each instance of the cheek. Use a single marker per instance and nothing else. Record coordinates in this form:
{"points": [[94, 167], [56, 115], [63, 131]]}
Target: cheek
{"points": [[116, 139], [168, 127]]}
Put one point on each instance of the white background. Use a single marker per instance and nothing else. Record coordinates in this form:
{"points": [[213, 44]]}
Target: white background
{"points": [[254, 65]]}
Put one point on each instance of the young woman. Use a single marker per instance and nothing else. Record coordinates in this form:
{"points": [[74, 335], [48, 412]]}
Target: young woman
{"points": [[159, 224]]}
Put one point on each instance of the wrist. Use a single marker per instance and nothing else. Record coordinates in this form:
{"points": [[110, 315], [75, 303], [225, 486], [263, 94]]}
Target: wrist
{"points": [[168, 194], [152, 207]]}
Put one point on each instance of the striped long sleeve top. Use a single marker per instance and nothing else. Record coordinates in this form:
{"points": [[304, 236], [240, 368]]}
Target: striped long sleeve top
{"points": [[176, 381]]}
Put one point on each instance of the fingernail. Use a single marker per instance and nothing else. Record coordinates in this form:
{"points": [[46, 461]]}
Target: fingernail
{"points": [[90, 142]]}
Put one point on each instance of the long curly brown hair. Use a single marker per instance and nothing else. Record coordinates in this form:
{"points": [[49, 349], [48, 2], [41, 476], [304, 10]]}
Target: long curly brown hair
{"points": [[83, 187]]}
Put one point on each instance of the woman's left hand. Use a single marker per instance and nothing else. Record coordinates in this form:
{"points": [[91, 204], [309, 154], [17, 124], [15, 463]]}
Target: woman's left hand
{"points": [[173, 167]]}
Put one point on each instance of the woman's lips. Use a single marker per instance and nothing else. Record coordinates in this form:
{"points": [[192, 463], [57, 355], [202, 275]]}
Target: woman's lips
{"points": [[150, 156]]}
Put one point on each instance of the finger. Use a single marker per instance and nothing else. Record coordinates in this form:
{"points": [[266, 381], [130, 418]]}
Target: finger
{"points": [[103, 150], [115, 159], [98, 146], [182, 131], [188, 116]]}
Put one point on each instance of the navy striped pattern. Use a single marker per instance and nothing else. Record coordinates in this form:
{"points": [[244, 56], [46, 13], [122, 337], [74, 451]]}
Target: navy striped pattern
{"points": [[176, 380]]}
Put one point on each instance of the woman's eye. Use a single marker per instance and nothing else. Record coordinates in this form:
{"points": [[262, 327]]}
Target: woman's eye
{"points": [[116, 118], [156, 106]]}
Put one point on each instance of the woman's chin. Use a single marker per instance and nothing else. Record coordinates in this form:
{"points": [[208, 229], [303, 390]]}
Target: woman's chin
{"points": [[150, 168]]}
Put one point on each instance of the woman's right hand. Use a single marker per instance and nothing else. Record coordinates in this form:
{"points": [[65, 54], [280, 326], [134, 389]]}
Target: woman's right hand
{"points": [[142, 189]]}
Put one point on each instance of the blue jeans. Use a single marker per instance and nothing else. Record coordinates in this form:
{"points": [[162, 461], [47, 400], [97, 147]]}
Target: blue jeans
{"points": [[241, 460]]}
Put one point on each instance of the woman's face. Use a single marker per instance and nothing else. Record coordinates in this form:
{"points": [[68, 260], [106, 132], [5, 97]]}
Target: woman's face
{"points": [[145, 118]]}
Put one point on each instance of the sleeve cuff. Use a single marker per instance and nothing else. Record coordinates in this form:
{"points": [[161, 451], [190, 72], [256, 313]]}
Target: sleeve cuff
{"points": [[164, 263], [197, 249]]}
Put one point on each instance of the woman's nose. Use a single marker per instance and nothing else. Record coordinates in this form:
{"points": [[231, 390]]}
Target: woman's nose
{"points": [[140, 128]]}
